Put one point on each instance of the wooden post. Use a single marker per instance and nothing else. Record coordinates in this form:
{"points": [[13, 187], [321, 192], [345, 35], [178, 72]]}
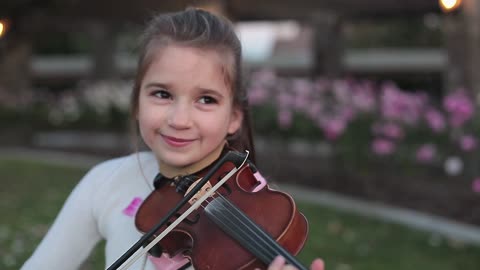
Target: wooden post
{"points": [[471, 11], [328, 45], [455, 73], [104, 41], [15, 54]]}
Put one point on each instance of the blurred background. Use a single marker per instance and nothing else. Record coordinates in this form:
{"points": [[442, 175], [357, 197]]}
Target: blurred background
{"points": [[365, 109]]}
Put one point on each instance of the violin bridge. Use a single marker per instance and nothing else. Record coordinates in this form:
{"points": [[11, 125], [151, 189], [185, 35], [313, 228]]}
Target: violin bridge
{"points": [[200, 193]]}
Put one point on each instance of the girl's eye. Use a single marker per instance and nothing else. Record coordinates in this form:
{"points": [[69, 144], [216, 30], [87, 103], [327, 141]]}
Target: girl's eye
{"points": [[208, 100], [162, 94]]}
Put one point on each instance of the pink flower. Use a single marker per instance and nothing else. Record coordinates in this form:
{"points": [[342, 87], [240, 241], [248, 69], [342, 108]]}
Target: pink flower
{"points": [[314, 110], [390, 130], [435, 120], [301, 103], [400, 105], [341, 91], [393, 131], [333, 128], [321, 85], [476, 185], [383, 147], [347, 113], [426, 153], [363, 98], [302, 87], [284, 100], [284, 118], [257, 95], [460, 107], [468, 143]]}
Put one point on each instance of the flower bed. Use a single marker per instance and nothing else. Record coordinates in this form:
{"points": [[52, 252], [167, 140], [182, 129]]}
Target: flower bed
{"points": [[368, 123], [358, 137]]}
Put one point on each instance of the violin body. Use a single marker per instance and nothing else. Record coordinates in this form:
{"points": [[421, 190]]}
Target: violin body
{"points": [[206, 244]]}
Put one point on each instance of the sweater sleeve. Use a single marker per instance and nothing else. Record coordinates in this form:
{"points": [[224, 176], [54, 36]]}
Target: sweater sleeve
{"points": [[74, 233]]}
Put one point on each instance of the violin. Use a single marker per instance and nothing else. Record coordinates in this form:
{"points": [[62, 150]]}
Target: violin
{"points": [[221, 218]]}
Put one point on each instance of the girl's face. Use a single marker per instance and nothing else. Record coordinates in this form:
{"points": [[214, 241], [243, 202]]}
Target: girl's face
{"points": [[186, 108]]}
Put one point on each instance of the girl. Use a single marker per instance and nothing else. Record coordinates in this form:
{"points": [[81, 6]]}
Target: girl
{"points": [[187, 103]]}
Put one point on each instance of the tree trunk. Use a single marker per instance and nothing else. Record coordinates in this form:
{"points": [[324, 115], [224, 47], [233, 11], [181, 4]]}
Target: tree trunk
{"points": [[471, 10], [15, 55]]}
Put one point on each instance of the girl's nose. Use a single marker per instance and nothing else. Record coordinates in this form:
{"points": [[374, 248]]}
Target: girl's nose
{"points": [[179, 116]]}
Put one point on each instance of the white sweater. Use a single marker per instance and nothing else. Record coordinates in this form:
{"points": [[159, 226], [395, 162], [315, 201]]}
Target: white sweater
{"points": [[102, 206]]}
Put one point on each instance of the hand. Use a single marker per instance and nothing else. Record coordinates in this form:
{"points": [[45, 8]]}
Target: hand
{"points": [[279, 264]]}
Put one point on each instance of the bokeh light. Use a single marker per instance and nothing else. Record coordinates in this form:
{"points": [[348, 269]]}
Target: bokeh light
{"points": [[449, 5], [2, 28]]}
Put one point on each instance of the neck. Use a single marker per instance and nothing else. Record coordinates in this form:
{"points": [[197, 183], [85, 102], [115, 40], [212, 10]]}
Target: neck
{"points": [[172, 171]]}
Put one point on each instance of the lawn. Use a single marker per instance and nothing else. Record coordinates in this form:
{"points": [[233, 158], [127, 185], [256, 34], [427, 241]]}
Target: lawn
{"points": [[33, 192]]}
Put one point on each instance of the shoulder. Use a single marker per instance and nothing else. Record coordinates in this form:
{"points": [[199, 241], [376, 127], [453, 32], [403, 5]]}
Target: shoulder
{"points": [[125, 167], [112, 184], [125, 163]]}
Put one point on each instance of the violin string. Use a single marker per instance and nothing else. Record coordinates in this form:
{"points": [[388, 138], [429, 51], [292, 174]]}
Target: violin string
{"points": [[267, 240], [246, 240], [274, 246], [243, 228], [265, 257]]}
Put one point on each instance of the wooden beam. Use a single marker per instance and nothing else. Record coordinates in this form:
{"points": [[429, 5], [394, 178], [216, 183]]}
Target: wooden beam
{"points": [[302, 9], [240, 10]]}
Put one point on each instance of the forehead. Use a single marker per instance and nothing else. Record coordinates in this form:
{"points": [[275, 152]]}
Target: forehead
{"points": [[188, 55], [183, 59]]}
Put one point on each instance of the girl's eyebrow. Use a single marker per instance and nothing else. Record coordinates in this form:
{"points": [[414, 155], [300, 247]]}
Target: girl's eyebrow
{"points": [[156, 85], [206, 91]]}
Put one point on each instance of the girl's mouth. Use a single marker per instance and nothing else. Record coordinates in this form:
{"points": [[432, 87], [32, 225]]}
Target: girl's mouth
{"points": [[176, 142]]}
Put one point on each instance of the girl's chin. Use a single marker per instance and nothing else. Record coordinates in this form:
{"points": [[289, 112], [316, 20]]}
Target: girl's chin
{"points": [[176, 164]]}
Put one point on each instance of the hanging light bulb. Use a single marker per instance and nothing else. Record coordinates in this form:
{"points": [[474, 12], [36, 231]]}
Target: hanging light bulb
{"points": [[449, 5]]}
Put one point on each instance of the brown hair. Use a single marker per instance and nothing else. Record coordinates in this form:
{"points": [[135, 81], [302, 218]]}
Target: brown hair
{"points": [[199, 29]]}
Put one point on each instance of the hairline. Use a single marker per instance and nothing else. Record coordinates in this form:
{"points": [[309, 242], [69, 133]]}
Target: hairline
{"points": [[226, 56]]}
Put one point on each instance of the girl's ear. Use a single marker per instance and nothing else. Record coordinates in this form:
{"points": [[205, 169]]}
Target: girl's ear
{"points": [[236, 120]]}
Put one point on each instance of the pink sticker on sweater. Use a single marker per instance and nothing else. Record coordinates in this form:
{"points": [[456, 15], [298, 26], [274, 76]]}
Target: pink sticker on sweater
{"points": [[132, 208]]}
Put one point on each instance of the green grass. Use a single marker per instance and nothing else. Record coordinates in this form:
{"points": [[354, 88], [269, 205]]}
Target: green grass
{"points": [[348, 241], [32, 194]]}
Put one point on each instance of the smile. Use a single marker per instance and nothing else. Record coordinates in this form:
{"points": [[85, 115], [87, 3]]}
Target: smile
{"points": [[176, 142]]}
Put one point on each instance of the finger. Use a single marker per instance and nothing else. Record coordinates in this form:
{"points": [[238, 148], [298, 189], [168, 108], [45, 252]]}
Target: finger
{"points": [[277, 263], [317, 264]]}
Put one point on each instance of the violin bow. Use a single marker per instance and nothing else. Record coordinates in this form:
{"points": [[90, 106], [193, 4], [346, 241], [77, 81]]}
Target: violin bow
{"points": [[138, 250]]}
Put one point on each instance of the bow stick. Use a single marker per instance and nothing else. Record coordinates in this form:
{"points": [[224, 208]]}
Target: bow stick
{"points": [[138, 250]]}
